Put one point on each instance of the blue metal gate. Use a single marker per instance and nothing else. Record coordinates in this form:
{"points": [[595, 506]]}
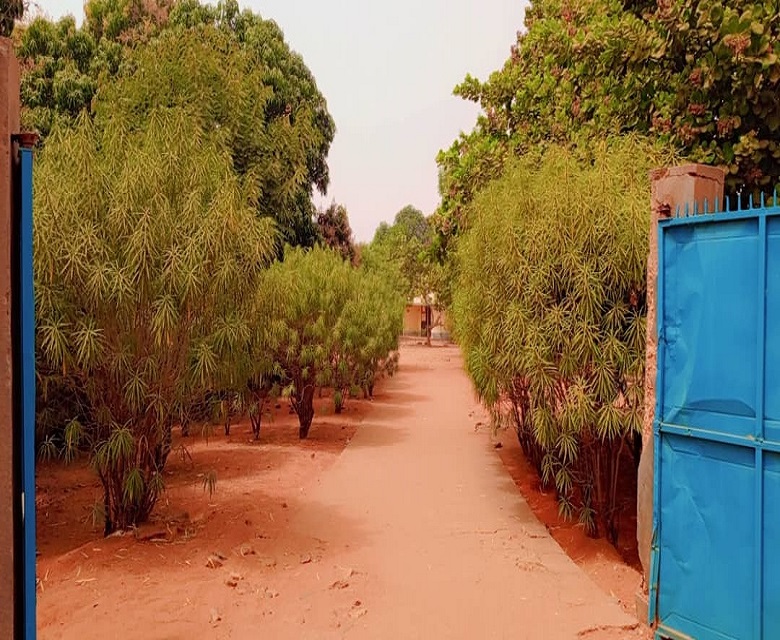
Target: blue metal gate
{"points": [[716, 543]]}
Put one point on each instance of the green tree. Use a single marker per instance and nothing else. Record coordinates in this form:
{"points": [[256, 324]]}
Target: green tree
{"points": [[10, 11], [62, 65], [377, 258], [63, 68], [407, 253], [127, 21], [60, 69], [294, 88], [301, 300], [550, 311], [403, 247], [413, 223], [221, 86], [143, 270], [701, 75], [333, 225], [366, 336]]}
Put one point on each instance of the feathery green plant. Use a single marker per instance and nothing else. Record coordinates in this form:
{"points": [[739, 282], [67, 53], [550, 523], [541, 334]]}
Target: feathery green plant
{"points": [[550, 309], [147, 247], [324, 323]]}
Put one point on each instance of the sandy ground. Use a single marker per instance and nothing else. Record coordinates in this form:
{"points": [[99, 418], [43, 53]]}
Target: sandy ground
{"points": [[416, 530]]}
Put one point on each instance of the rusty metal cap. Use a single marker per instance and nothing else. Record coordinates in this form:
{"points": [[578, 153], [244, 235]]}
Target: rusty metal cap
{"points": [[26, 139]]}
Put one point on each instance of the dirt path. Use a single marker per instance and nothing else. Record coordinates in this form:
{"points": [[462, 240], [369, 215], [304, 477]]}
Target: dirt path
{"points": [[415, 531], [438, 542]]}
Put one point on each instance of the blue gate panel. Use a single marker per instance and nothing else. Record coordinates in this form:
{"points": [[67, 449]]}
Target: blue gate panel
{"points": [[771, 605], [707, 555], [709, 326], [717, 431], [772, 384]]}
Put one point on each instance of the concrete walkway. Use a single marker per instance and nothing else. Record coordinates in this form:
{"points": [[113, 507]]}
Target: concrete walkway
{"points": [[424, 535]]}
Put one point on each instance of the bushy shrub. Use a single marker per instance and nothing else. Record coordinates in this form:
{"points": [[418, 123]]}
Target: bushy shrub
{"points": [[146, 247], [550, 310]]}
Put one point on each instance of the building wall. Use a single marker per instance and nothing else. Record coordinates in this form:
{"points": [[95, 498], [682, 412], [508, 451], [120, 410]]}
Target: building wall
{"points": [[413, 316], [9, 124], [413, 319]]}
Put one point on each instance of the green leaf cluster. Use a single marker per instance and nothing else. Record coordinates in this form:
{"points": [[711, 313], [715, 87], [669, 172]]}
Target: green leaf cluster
{"points": [[700, 75], [324, 323], [550, 309], [232, 70], [147, 249]]}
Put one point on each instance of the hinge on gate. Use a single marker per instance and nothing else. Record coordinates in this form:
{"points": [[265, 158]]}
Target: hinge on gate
{"points": [[652, 598]]}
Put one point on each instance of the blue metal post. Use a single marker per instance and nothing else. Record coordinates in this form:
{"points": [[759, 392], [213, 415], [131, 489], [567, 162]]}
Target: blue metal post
{"points": [[760, 415], [27, 326], [655, 549]]}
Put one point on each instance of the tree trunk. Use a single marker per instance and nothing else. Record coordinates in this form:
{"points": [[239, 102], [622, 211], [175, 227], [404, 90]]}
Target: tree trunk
{"points": [[163, 450], [304, 407], [108, 525], [429, 328], [226, 413], [120, 514], [256, 417], [255, 421]]}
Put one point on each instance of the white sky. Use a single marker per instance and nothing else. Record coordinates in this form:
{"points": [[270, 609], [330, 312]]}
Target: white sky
{"points": [[387, 70]]}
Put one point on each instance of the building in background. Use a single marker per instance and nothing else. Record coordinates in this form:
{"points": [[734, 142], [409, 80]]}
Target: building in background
{"points": [[424, 319]]}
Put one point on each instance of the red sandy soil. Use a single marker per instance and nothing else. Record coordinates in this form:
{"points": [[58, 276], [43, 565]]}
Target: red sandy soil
{"points": [[280, 545], [616, 571], [259, 484]]}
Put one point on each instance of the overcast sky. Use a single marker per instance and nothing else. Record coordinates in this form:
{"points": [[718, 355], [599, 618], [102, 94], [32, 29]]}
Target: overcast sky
{"points": [[387, 70]]}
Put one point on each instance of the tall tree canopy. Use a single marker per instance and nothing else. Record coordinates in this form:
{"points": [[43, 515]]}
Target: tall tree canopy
{"points": [[413, 223], [10, 11], [220, 84], [334, 229], [131, 54], [702, 75]]}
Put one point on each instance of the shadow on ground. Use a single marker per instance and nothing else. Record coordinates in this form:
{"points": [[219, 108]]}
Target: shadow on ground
{"points": [[378, 435]]}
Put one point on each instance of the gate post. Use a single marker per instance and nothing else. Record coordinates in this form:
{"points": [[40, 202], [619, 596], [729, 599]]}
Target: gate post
{"points": [[10, 622], [670, 188]]}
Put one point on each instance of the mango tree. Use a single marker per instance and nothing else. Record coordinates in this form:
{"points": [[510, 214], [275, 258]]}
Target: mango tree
{"points": [[222, 86], [700, 75], [273, 94]]}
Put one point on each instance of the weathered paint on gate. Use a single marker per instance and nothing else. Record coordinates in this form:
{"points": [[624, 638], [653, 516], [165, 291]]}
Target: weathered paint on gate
{"points": [[716, 520]]}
